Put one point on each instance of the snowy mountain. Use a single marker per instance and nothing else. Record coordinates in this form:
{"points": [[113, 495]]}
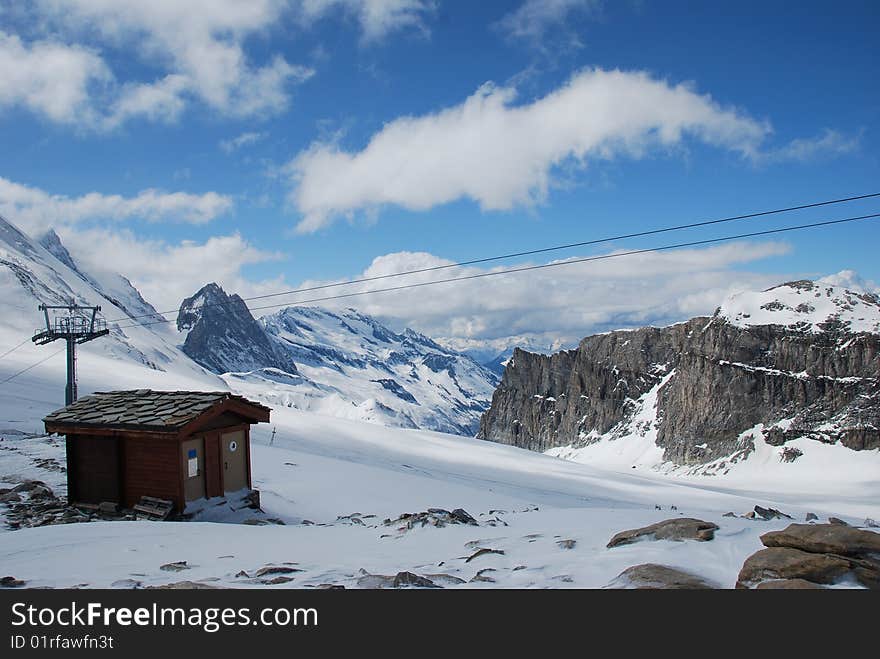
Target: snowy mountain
{"points": [[805, 306], [114, 288], [43, 272], [338, 364], [787, 367], [326, 483], [351, 365], [358, 368], [222, 335]]}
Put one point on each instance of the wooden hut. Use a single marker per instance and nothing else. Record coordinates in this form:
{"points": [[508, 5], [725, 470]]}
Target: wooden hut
{"points": [[181, 446]]}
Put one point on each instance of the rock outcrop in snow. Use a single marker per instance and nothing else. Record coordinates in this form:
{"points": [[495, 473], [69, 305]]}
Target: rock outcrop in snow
{"points": [[797, 360], [223, 336]]}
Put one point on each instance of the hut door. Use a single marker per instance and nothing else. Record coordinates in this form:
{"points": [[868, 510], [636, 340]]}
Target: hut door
{"points": [[96, 471], [194, 468], [234, 461], [213, 465]]}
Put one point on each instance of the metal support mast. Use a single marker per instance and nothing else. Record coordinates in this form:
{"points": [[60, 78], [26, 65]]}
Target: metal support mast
{"points": [[79, 325]]}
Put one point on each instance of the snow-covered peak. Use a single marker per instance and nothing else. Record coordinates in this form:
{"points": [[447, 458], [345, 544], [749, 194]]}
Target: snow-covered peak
{"points": [[191, 309], [807, 306], [223, 336], [52, 242], [35, 272], [356, 367]]}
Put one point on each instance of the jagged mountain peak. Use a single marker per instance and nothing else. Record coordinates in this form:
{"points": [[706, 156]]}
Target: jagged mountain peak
{"points": [[806, 306], [223, 336], [210, 296], [52, 242]]}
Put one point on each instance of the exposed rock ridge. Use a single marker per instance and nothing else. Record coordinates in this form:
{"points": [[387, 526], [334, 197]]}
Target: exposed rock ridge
{"points": [[697, 388]]}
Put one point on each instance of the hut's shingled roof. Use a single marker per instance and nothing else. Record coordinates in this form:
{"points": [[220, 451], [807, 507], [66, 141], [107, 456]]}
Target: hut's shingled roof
{"points": [[142, 409]]}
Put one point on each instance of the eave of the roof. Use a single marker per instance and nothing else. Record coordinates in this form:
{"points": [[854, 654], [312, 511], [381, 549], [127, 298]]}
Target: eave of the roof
{"points": [[66, 423]]}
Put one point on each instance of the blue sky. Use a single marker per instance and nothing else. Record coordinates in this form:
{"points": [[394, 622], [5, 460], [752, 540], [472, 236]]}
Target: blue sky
{"points": [[272, 143]]}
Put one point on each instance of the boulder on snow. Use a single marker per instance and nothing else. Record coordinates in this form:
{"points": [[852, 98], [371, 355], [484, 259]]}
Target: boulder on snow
{"points": [[480, 576], [275, 569], [815, 553], [787, 563], [11, 582], [684, 528], [482, 551], [770, 513], [825, 539], [788, 584], [651, 576], [438, 517], [410, 580], [176, 566], [28, 485], [445, 579], [184, 585], [400, 580]]}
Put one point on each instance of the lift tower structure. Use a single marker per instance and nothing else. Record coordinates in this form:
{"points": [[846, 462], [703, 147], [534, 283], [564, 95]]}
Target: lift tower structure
{"points": [[78, 325]]}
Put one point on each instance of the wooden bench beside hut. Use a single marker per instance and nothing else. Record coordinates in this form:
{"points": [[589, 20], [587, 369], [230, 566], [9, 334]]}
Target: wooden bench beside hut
{"points": [[180, 446]]}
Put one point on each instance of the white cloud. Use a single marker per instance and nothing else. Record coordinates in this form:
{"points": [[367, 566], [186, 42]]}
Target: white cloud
{"points": [[49, 78], [245, 139], [377, 18], [162, 100], [532, 19], [199, 47], [35, 210], [503, 155], [562, 303], [852, 280], [166, 273], [829, 143]]}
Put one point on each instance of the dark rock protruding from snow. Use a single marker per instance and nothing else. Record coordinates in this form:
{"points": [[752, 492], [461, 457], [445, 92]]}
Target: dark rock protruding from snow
{"points": [[224, 337], [651, 576], [438, 517], [410, 580], [798, 360], [825, 539], [823, 554], [683, 528]]}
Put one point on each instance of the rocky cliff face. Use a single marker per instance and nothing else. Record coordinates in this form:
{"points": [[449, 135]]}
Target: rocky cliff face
{"points": [[223, 336], [802, 359]]}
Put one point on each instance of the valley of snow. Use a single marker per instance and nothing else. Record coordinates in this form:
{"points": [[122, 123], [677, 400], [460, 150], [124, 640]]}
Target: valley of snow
{"points": [[320, 470], [323, 470]]}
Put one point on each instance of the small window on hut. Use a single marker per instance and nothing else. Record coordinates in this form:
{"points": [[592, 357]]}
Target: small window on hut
{"points": [[192, 463]]}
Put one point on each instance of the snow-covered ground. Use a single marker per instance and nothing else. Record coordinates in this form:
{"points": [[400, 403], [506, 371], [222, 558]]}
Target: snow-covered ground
{"points": [[320, 469]]}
